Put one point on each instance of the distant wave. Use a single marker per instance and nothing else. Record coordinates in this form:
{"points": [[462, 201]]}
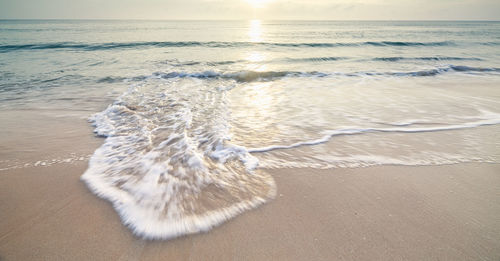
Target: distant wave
{"points": [[491, 43], [433, 58], [441, 70], [390, 43], [177, 63], [316, 59], [110, 79], [128, 45]]}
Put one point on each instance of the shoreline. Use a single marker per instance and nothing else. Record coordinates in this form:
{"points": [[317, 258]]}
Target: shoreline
{"points": [[277, 140], [375, 213]]}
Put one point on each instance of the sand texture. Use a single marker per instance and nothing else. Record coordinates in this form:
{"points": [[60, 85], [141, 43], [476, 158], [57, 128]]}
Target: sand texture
{"points": [[377, 213]]}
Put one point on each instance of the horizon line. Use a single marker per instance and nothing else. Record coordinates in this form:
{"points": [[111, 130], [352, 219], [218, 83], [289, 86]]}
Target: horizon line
{"points": [[333, 20]]}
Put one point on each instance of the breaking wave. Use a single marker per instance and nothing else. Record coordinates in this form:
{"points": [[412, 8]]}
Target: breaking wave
{"points": [[250, 76]]}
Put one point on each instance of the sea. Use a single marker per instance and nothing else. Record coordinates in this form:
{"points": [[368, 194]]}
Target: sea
{"points": [[190, 115]]}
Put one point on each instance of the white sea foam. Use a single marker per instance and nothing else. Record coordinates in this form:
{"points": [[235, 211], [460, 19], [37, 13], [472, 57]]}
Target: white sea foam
{"points": [[424, 158], [18, 164], [170, 168], [167, 163], [488, 118]]}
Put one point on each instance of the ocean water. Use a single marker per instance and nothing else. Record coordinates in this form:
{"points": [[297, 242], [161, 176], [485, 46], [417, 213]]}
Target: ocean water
{"points": [[191, 113]]}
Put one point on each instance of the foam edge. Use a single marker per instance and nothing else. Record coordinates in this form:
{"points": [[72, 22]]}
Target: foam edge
{"points": [[147, 227]]}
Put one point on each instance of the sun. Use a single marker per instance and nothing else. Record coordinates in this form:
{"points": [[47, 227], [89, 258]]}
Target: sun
{"points": [[258, 3]]}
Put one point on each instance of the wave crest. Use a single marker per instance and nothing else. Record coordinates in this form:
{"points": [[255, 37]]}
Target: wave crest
{"points": [[249, 76]]}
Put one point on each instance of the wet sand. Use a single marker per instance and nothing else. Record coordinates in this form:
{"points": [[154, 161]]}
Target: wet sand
{"points": [[376, 213]]}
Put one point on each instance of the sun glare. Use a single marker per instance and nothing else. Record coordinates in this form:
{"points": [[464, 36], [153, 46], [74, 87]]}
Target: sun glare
{"points": [[255, 31]]}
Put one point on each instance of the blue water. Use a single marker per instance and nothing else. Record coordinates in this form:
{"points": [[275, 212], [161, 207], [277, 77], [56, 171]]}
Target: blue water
{"points": [[191, 113]]}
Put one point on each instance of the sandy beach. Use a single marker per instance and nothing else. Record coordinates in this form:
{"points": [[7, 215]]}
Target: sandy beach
{"points": [[376, 213], [298, 139]]}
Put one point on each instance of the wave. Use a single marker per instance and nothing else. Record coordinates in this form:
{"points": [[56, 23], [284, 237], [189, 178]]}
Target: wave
{"points": [[489, 119], [112, 79], [167, 164], [316, 59], [491, 43], [177, 63], [241, 76], [441, 70], [212, 44], [249, 76], [435, 58], [390, 43]]}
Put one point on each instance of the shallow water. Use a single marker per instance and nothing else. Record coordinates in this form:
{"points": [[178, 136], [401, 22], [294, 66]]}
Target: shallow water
{"points": [[192, 111]]}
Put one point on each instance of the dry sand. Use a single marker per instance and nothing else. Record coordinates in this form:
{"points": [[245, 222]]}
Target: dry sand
{"points": [[377, 213]]}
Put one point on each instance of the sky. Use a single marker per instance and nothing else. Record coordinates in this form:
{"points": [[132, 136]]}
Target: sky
{"points": [[253, 9]]}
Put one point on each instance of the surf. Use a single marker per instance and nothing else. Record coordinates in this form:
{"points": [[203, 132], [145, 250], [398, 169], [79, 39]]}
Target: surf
{"points": [[167, 163]]}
